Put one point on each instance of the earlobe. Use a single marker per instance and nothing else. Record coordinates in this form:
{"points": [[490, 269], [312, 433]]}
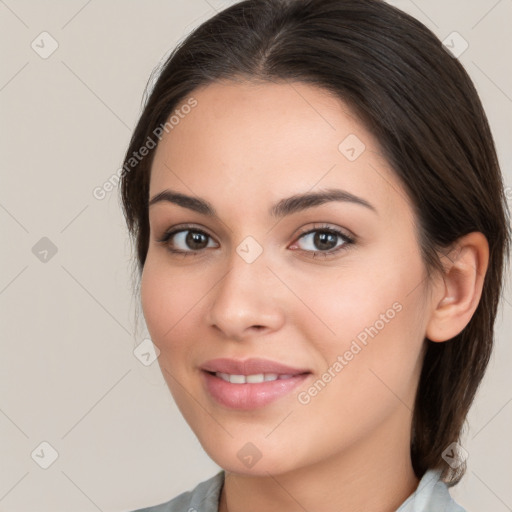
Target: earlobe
{"points": [[460, 287]]}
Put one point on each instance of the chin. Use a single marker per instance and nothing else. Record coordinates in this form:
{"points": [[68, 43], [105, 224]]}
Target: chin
{"points": [[250, 458], [260, 469]]}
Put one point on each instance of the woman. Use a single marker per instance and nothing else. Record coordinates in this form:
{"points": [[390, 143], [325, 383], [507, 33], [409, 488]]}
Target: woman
{"points": [[321, 232]]}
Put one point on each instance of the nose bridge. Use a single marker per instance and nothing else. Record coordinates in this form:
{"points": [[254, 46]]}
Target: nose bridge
{"points": [[242, 299]]}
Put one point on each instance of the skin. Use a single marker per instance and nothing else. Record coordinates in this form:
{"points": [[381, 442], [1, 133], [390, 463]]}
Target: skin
{"points": [[243, 148]]}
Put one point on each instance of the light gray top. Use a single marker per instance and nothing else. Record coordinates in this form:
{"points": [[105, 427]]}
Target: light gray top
{"points": [[431, 495]]}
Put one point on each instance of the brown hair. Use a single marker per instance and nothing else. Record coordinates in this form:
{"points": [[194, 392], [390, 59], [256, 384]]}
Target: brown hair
{"points": [[424, 110]]}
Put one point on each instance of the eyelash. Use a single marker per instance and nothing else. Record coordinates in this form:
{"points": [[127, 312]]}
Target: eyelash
{"points": [[322, 229]]}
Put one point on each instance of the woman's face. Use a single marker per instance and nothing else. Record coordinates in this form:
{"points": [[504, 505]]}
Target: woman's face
{"points": [[332, 287]]}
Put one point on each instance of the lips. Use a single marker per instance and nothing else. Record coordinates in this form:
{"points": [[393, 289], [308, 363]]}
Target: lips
{"points": [[250, 384], [252, 366]]}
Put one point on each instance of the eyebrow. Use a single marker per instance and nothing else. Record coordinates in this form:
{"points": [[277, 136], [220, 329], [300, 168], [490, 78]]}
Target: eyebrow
{"points": [[283, 207]]}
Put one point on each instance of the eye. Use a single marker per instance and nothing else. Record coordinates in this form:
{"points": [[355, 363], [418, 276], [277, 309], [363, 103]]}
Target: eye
{"points": [[187, 241], [323, 240]]}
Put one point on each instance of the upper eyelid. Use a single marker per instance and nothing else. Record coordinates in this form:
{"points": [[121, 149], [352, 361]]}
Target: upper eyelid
{"points": [[178, 229], [326, 227]]}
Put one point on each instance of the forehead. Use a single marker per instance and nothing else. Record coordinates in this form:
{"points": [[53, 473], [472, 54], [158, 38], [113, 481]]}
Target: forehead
{"points": [[254, 140]]}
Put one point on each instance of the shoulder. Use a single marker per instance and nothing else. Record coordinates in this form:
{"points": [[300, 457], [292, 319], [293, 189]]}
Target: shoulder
{"points": [[203, 498], [431, 495]]}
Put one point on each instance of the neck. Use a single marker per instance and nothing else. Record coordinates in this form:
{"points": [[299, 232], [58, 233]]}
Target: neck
{"points": [[376, 475]]}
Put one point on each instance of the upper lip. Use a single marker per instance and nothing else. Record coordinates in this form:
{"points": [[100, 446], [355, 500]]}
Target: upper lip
{"points": [[252, 366]]}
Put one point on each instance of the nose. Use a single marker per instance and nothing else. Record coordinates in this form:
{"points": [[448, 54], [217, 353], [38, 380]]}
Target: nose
{"points": [[247, 301]]}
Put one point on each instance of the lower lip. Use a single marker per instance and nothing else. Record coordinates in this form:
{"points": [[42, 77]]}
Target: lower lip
{"points": [[249, 396]]}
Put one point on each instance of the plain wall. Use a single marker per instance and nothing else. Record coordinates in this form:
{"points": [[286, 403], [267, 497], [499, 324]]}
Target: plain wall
{"points": [[68, 374]]}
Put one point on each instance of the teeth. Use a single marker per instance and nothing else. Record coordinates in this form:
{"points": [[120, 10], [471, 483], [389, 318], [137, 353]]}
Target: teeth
{"points": [[251, 379], [255, 379]]}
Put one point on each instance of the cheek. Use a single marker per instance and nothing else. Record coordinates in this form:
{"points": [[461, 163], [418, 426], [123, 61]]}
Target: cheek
{"points": [[373, 316], [371, 362], [380, 331], [168, 297], [345, 304]]}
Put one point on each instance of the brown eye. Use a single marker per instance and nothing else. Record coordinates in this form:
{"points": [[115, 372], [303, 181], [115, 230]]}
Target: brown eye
{"points": [[187, 241], [324, 240], [196, 240]]}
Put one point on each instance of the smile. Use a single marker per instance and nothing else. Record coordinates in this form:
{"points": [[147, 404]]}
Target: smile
{"points": [[256, 378], [253, 391]]}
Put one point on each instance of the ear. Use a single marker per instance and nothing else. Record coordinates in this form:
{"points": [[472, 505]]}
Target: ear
{"points": [[459, 288]]}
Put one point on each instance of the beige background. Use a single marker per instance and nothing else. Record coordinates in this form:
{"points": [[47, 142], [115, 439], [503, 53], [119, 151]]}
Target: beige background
{"points": [[68, 374]]}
